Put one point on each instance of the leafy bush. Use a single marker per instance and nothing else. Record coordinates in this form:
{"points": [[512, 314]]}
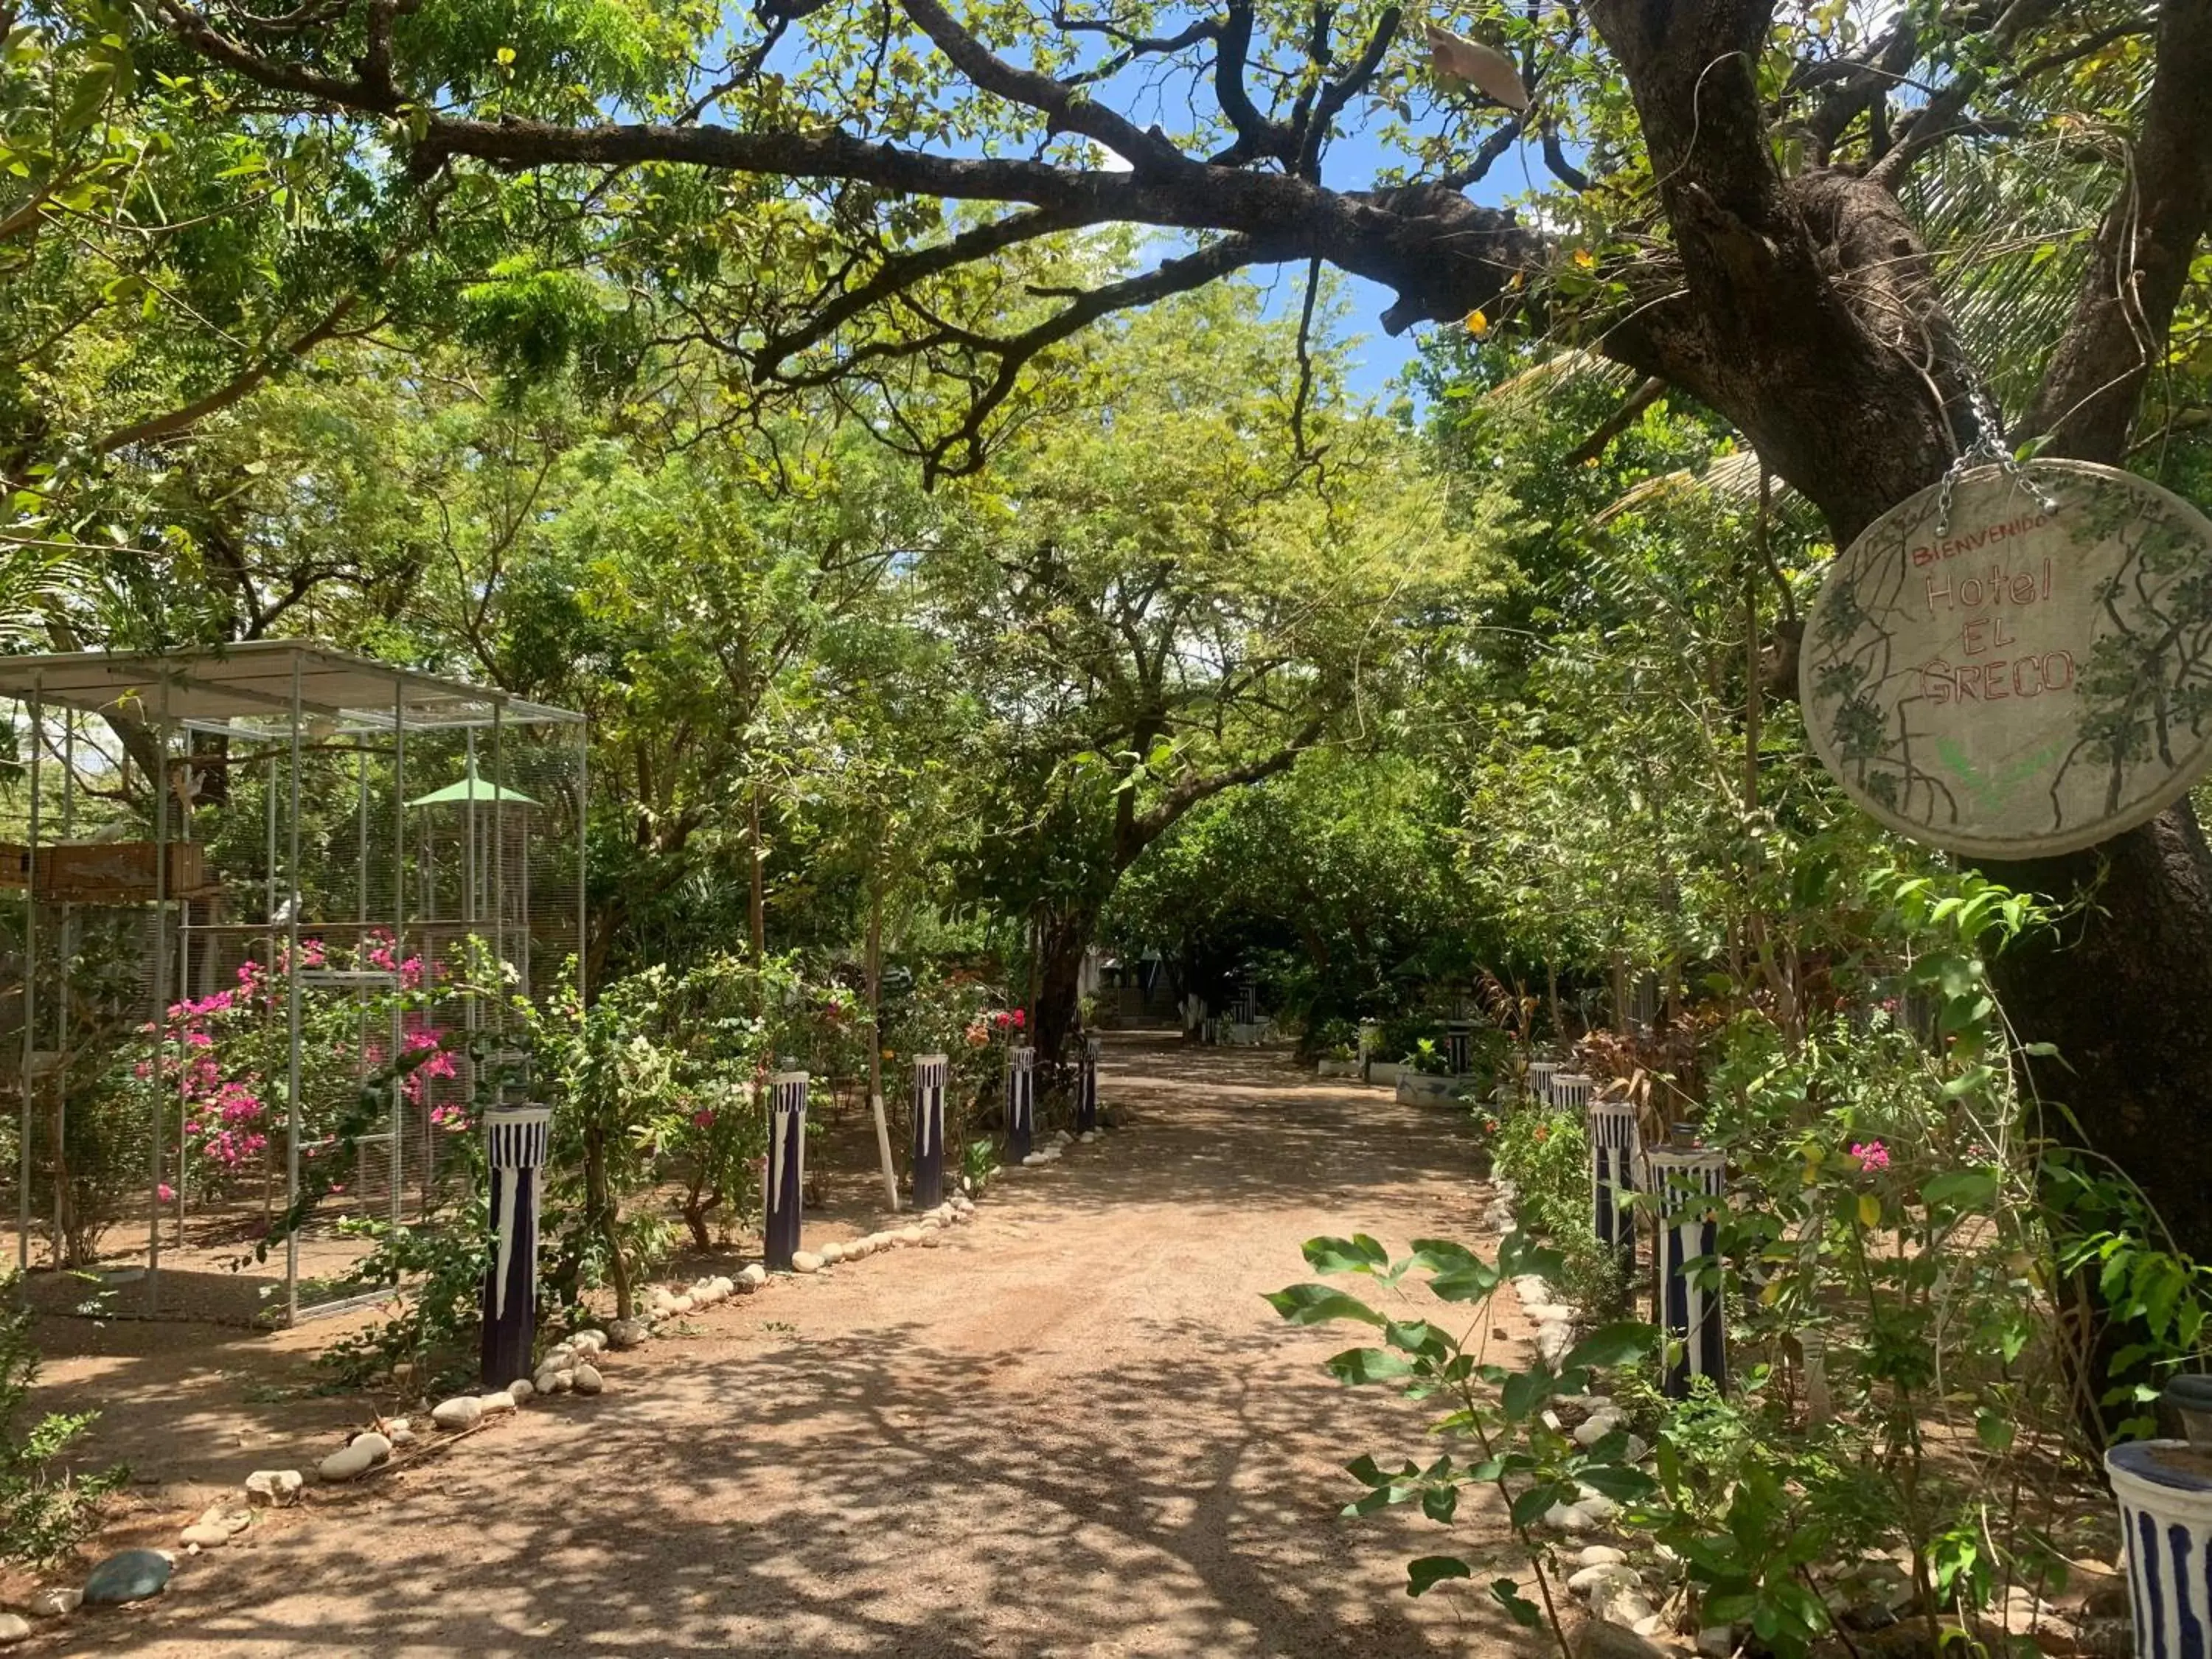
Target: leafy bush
{"points": [[1514, 1450], [42, 1511]]}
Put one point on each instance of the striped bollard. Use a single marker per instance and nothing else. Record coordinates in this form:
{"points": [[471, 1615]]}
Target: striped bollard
{"points": [[786, 1169], [516, 1137], [1613, 1148], [1572, 1092], [1689, 1182], [1021, 1102], [1541, 1072], [929, 1074], [2166, 1517], [1086, 1088]]}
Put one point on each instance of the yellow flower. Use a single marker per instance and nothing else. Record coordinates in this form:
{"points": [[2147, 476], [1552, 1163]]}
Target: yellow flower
{"points": [[1585, 259], [1477, 323]]}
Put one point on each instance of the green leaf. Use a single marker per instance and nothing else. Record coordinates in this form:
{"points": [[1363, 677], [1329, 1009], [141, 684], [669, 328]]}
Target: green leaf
{"points": [[1622, 1482], [1532, 1505], [1317, 1305], [1442, 1255], [1359, 1254], [1612, 1345], [1961, 1190], [1357, 1365], [1430, 1571], [1995, 1431], [1525, 1393], [1465, 1285], [1440, 1502]]}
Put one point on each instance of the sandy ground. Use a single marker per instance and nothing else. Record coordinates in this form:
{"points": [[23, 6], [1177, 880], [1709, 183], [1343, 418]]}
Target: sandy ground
{"points": [[1073, 1428]]}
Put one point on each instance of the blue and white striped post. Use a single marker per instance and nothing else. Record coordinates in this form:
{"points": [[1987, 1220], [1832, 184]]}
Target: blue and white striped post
{"points": [[2166, 1517], [1086, 1088], [1021, 1102], [1611, 1127], [929, 1074], [516, 1137], [1690, 1182], [786, 1169], [1540, 1073]]}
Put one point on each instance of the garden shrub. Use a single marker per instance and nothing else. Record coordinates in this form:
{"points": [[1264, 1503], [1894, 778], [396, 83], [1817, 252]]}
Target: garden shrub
{"points": [[43, 1510]]}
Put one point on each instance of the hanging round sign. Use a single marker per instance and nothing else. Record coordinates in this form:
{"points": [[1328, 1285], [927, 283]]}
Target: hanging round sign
{"points": [[2018, 663]]}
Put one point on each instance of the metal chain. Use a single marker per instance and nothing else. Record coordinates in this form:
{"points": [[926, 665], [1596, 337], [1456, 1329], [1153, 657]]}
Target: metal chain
{"points": [[1987, 448]]}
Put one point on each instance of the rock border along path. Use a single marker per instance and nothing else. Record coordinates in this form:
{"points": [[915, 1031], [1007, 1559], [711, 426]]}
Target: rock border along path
{"points": [[1071, 1428]]}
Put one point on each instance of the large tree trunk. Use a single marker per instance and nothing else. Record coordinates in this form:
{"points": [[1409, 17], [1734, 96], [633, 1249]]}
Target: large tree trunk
{"points": [[1063, 938], [1807, 313], [2124, 991]]}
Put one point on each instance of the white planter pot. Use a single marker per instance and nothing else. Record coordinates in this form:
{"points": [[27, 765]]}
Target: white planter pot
{"points": [[2165, 1517], [1337, 1069], [1384, 1071]]}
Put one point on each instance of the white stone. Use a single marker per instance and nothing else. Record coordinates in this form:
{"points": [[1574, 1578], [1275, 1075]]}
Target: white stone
{"points": [[1717, 1641], [754, 1276], [400, 1434], [1620, 1604], [1601, 1555], [274, 1489], [931, 1242], [1034, 1160], [14, 1628], [1061, 1138], [1548, 1313], [806, 1261], [630, 1333], [1654, 1624], [1566, 1517], [1553, 1342], [1587, 1579], [558, 1358], [1596, 1505], [1087, 1136], [1050, 1154], [494, 1404], [59, 1601], [462, 1412], [344, 1465], [910, 1235], [1595, 1428], [832, 1253], [587, 1380], [1636, 1449], [589, 1341], [520, 1389], [682, 1304], [205, 1536], [378, 1443], [723, 1286]]}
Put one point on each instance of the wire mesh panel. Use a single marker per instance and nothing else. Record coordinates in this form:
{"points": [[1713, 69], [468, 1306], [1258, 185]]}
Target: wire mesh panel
{"points": [[268, 907]]}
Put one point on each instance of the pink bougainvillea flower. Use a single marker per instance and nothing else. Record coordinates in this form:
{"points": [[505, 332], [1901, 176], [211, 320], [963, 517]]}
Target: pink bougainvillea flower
{"points": [[702, 1120], [165, 1193], [1871, 1154]]}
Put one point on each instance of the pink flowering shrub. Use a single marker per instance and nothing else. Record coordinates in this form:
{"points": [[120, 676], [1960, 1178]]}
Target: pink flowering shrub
{"points": [[224, 1057]]}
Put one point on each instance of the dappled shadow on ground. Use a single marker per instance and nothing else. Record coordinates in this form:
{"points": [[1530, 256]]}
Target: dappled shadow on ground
{"points": [[1071, 1429], [870, 1494]]}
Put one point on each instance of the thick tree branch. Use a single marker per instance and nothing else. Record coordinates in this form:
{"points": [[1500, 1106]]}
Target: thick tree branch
{"points": [[1147, 827], [1066, 107], [237, 389]]}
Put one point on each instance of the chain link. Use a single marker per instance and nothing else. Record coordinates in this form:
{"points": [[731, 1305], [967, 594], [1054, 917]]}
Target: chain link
{"points": [[1988, 448]]}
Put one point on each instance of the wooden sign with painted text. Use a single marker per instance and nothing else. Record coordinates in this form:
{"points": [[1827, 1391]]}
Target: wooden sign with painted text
{"points": [[2029, 675]]}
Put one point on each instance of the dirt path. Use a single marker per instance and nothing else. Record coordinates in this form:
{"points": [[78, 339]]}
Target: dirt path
{"points": [[1073, 1428]]}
